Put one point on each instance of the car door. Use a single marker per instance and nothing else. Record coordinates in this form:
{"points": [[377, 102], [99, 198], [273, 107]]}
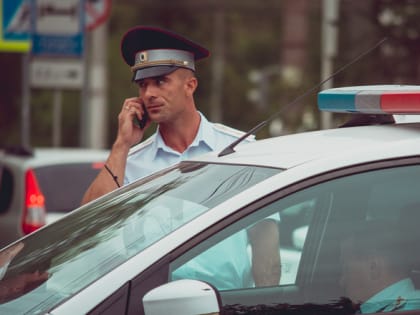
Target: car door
{"points": [[314, 216]]}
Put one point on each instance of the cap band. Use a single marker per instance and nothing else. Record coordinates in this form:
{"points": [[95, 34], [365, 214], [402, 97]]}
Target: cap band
{"points": [[163, 57]]}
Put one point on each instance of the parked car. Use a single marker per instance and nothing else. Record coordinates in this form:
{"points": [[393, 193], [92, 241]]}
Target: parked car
{"points": [[39, 185], [146, 246]]}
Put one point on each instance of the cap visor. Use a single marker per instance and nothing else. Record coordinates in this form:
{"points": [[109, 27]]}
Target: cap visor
{"points": [[151, 72]]}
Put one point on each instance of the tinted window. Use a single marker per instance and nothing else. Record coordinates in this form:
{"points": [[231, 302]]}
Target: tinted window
{"points": [[64, 185], [234, 258], [346, 244]]}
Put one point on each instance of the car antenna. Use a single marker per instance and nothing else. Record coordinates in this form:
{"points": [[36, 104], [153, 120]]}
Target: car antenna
{"points": [[231, 147]]}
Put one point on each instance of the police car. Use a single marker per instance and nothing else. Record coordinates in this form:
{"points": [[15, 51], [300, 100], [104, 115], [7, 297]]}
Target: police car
{"points": [[153, 247]]}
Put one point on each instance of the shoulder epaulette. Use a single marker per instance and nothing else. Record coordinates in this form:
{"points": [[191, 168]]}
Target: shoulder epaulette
{"points": [[141, 145], [231, 131]]}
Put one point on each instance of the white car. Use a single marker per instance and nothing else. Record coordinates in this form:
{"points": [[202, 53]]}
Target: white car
{"points": [[153, 247], [40, 185]]}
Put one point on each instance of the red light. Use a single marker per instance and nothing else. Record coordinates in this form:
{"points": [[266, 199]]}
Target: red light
{"points": [[401, 102], [34, 211]]}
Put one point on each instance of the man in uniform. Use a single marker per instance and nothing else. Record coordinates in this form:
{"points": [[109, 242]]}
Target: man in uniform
{"points": [[163, 66]]}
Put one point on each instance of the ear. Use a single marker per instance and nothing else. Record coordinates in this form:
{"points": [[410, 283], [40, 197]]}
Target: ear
{"points": [[191, 85]]}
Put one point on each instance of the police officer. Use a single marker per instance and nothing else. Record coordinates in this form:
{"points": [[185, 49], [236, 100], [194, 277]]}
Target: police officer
{"points": [[163, 66]]}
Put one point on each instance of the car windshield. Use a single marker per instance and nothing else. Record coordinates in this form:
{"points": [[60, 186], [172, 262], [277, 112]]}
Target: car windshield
{"points": [[63, 258]]}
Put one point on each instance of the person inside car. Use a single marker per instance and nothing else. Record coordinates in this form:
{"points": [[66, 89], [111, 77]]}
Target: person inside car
{"points": [[375, 270]]}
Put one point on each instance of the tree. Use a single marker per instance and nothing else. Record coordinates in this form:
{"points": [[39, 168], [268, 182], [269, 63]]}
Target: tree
{"points": [[252, 39]]}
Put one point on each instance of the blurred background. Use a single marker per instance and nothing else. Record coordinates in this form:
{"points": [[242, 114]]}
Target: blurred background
{"points": [[264, 54]]}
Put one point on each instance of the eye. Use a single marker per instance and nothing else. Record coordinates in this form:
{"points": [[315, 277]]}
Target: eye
{"points": [[160, 80], [141, 84]]}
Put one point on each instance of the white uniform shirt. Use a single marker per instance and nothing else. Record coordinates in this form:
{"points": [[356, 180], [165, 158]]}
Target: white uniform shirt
{"points": [[227, 265], [153, 154]]}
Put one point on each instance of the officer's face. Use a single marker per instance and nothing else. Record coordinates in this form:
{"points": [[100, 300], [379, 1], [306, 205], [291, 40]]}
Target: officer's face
{"points": [[167, 96]]}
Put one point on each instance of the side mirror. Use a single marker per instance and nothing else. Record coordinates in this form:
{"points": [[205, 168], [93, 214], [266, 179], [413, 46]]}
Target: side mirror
{"points": [[186, 297]]}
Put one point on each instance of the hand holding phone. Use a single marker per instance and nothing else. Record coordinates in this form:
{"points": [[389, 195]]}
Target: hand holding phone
{"points": [[141, 123]]}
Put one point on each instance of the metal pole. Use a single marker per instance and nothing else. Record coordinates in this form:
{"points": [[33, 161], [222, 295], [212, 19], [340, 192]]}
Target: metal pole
{"points": [[329, 33], [56, 140], [26, 110], [84, 110], [97, 87], [217, 65]]}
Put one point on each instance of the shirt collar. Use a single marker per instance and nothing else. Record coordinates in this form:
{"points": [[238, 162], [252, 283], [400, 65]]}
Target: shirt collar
{"points": [[205, 134]]}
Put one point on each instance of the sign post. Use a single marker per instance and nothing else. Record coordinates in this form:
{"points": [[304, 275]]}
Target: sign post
{"points": [[57, 44], [94, 114], [51, 33], [57, 54]]}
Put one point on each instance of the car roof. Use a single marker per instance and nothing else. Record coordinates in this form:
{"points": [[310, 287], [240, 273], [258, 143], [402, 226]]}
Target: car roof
{"points": [[385, 125], [51, 156], [372, 142]]}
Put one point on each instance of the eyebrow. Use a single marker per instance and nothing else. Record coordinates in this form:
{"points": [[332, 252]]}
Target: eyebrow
{"points": [[160, 77]]}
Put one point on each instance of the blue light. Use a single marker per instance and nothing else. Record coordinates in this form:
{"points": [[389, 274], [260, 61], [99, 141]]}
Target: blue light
{"points": [[335, 100]]}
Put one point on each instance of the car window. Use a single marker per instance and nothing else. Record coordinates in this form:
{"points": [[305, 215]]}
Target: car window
{"points": [[6, 188], [64, 184], [227, 260], [377, 210], [66, 256]]}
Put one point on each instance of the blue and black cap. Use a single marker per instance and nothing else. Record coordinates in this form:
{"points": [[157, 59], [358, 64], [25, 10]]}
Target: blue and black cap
{"points": [[152, 52]]}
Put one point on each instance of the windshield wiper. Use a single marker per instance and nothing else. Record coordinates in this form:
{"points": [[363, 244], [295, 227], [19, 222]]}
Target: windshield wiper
{"points": [[231, 147]]}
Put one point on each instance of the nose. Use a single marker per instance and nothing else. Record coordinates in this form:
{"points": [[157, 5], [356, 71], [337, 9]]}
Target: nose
{"points": [[148, 92]]}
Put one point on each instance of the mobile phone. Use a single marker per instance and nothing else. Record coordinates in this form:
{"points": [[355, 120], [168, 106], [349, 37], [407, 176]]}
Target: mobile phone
{"points": [[141, 123]]}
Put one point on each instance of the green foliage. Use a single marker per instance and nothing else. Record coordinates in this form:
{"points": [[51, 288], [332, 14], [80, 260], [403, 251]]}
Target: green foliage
{"points": [[252, 41]]}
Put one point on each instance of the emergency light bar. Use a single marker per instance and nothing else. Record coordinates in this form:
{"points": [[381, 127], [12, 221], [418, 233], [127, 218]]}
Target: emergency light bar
{"points": [[371, 99]]}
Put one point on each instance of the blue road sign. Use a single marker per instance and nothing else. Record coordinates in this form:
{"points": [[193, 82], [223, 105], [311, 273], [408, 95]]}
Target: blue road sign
{"points": [[14, 27], [57, 28]]}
